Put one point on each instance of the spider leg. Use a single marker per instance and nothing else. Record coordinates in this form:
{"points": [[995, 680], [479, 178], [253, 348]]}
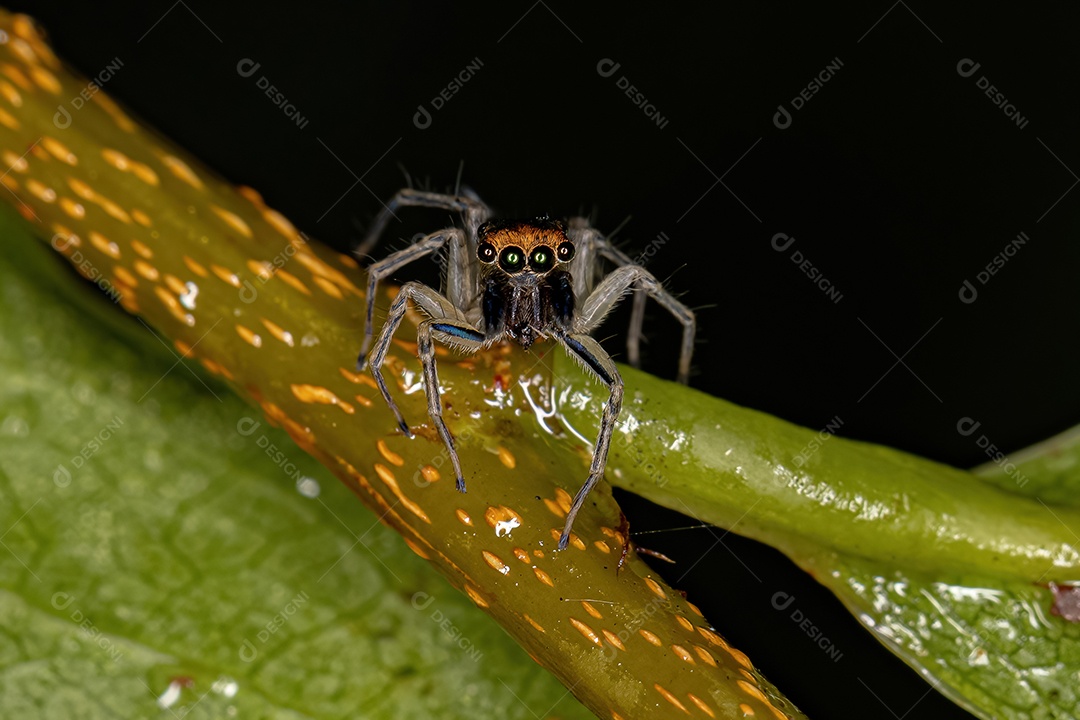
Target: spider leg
{"points": [[434, 305], [592, 356], [380, 270], [614, 286], [475, 211], [596, 245], [463, 336]]}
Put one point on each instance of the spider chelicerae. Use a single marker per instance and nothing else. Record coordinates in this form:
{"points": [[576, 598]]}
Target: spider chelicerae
{"points": [[519, 280]]}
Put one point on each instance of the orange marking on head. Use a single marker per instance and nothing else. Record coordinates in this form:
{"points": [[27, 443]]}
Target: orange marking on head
{"points": [[740, 657], [279, 222], [8, 120], [16, 76], [670, 698], [650, 637], [114, 210], [104, 244], [475, 596], [556, 534], [142, 249], [587, 631], [181, 170], [144, 173], [613, 639], [195, 267], [320, 269], [293, 281], [45, 80], [543, 577], [173, 306], [416, 549], [705, 655], [502, 516], [147, 270], [429, 473], [262, 269], [72, 208], [124, 275], [712, 637], [591, 610], [276, 330], [463, 516], [328, 287], [534, 623], [701, 704], [507, 458], [175, 284], [683, 654], [248, 336], [41, 191], [234, 221], [116, 158], [563, 498], [81, 189], [226, 275], [15, 162], [388, 478], [602, 546], [752, 691], [655, 588], [59, 150], [496, 562], [10, 94], [391, 456], [320, 395]]}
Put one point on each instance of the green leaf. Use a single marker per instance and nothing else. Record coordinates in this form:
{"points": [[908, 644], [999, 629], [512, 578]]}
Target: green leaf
{"points": [[152, 534], [950, 572]]}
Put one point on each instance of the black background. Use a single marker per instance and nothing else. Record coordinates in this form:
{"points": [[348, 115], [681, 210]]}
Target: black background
{"points": [[899, 180]]}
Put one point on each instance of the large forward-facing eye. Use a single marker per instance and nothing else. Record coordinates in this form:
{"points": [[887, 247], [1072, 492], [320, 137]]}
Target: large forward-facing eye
{"points": [[486, 253], [565, 252], [512, 259], [542, 259]]}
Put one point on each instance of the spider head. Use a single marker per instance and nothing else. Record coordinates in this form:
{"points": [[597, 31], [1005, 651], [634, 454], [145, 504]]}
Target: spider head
{"points": [[524, 249]]}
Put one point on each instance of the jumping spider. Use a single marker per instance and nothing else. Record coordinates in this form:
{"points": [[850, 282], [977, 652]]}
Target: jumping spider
{"points": [[520, 280]]}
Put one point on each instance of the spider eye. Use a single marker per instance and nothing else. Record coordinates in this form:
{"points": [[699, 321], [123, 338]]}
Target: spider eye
{"points": [[486, 253], [541, 259], [565, 252], [511, 259]]}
